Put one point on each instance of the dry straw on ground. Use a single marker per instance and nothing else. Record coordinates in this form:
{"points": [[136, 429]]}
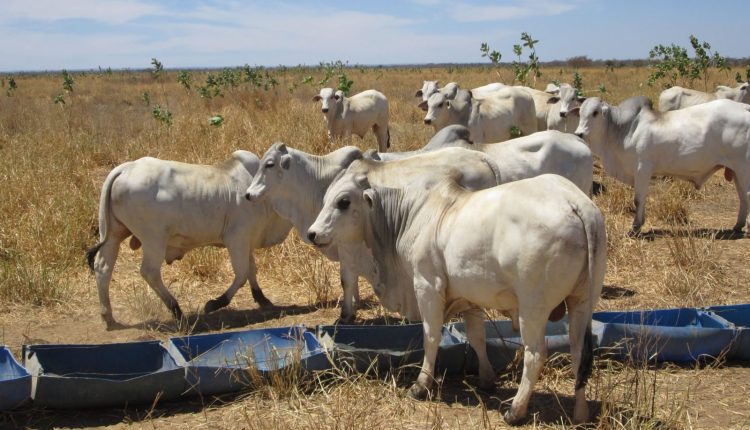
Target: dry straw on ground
{"points": [[54, 157]]}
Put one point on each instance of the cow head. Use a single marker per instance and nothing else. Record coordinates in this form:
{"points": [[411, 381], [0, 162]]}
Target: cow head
{"points": [[437, 110], [428, 88], [328, 99], [345, 211], [744, 92], [570, 101], [270, 174], [594, 115]]}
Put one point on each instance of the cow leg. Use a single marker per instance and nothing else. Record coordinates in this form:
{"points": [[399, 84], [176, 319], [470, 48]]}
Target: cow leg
{"points": [[151, 272], [476, 335], [581, 353], [351, 293], [430, 303], [534, 356], [104, 264], [381, 133], [642, 179], [255, 290], [742, 184]]}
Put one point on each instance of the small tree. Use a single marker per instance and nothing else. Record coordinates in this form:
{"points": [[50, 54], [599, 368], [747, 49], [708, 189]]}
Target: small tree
{"points": [[525, 72], [673, 64]]}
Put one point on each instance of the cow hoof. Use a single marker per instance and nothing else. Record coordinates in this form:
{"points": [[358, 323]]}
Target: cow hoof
{"points": [[215, 304], [344, 320], [488, 388], [511, 418], [634, 233], [261, 299], [418, 391]]}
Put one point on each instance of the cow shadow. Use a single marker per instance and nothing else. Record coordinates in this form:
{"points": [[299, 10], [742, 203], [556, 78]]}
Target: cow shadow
{"points": [[226, 318], [544, 407], [41, 418], [613, 292], [703, 233]]}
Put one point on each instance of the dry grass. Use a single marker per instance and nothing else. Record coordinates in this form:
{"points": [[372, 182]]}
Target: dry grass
{"points": [[53, 160]]}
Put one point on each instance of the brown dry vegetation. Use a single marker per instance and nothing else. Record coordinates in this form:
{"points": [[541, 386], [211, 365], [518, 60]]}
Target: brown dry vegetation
{"points": [[53, 159]]}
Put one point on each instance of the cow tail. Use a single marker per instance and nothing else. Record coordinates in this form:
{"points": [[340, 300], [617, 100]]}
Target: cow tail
{"points": [[587, 348], [104, 213]]}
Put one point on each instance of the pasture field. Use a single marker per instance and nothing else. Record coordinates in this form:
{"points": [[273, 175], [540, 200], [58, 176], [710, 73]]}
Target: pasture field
{"points": [[53, 160]]}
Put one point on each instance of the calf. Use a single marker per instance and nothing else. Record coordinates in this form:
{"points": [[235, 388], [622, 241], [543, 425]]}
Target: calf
{"points": [[490, 119], [355, 115]]}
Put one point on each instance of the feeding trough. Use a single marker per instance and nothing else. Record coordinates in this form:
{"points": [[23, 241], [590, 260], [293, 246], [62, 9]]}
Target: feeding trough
{"points": [[502, 342], [84, 376], [680, 335], [384, 348], [737, 318], [15, 381], [221, 363]]}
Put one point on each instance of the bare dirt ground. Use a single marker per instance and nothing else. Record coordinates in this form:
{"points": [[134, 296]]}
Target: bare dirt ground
{"points": [[712, 396]]}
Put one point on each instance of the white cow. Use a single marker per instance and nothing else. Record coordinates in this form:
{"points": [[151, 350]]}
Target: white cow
{"points": [[678, 97], [171, 208], [490, 119], [523, 248], [543, 152], [636, 143], [294, 183], [356, 114], [563, 112], [451, 89]]}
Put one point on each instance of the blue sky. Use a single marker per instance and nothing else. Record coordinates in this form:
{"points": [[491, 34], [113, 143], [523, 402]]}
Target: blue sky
{"points": [[85, 34]]}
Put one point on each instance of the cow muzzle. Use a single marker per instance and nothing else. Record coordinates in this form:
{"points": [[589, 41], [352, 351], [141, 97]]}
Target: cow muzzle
{"points": [[324, 110], [427, 121], [580, 135], [563, 114]]}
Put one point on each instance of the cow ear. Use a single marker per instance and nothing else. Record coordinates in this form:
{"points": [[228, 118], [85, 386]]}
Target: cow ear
{"points": [[423, 105], [316, 98], [369, 196], [447, 104], [282, 147], [576, 111], [471, 95], [371, 154], [605, 108], [286, 160], [362, 181], [418, 93], [553, 100], [581, 99]]}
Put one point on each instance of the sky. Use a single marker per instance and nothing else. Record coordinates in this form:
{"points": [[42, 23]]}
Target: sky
{"points": [[42, 35]]}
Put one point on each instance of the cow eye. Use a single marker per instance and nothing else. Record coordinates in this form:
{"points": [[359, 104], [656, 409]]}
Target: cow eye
{"points": [[270, 164], [343, 204], [440, 105], [596, 112]]}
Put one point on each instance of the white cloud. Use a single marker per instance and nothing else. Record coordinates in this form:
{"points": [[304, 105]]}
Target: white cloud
{"points": [[106, 11], [464, 12]]}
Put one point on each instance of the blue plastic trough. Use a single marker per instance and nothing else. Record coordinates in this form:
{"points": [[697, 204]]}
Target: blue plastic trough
{"points": [[220, 363], [384, 348], [84, 376], [680, 335], [15, 381], [738, 319], [502, 342]]}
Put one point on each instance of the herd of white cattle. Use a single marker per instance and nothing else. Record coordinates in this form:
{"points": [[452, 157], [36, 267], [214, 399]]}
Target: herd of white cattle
{"points": [[472, 220]]}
